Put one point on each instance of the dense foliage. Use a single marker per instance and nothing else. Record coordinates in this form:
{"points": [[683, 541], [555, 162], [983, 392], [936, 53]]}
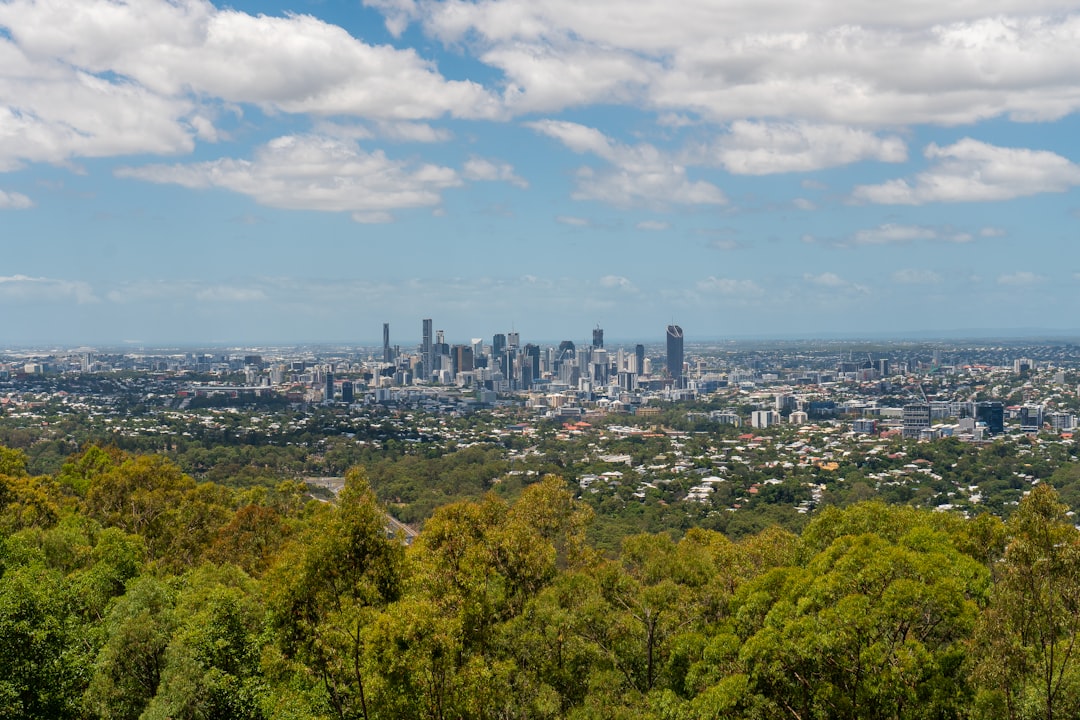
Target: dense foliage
{"points": [[130, 590]]}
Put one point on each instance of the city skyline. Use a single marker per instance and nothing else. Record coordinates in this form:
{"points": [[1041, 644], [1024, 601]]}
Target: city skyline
{"points": [[190, 172]]}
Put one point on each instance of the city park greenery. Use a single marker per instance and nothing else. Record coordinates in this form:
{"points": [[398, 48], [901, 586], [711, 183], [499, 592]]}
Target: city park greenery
{"points": [[129, 589]]}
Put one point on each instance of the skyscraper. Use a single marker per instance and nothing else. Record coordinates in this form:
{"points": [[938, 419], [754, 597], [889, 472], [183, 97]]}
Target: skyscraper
{"points": [[674, 351], [426, 351], [386, 356], [598, 337], [639, 359], [993, 414], [462, 358]]}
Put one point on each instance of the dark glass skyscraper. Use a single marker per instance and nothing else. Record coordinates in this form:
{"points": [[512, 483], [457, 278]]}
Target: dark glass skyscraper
{"points": [[639, 359], [674, 351], [426, 351], [386, 355], [598, 337], [993, 414]]}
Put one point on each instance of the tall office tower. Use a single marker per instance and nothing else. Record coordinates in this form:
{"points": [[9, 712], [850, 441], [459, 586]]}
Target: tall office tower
{"points": [[1031, 418], [513, 340], [532, 361], [498, 345], [386, 357], [347, 392], [463, 359], [674, 351], [639, 359], [328, 391], [564, 354], [598, 337], [426, 351], [993, 414], [508, 365]]}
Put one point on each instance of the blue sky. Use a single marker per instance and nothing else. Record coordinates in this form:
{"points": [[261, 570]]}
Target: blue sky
{"points": [[185, 172]]}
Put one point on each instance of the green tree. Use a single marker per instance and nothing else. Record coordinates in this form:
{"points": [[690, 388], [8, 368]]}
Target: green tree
{"points": [[327, 589], [870, 629], [1026, 644], [41, 667], [129, 666]]}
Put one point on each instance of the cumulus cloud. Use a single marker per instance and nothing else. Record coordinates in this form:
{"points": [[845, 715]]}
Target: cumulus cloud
{"points": [[415, 132], [804, 204], [1019, 278], [638, 174], [314, 173], [51, 113], [833, 61], [24, 288], [825, 279], [541, 78], [14, 201], [480, 169], [617, 282], [831, 281], [760, 148], [99, 78], [973, 171], [296, 63], [916, 277]]}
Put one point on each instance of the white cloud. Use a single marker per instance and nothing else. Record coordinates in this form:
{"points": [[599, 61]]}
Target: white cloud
{"points": [[296, 63], [973, 171], [804, 204], [617, 282], [480, 169], [825, 279], [101, 78], [916, 277], [760, 148], [654, 225], [1019, 278], [729, 286], [415, 132], [890, 233], [573, 221], [639, 174], [831, 61], [372, 218], [992, 232], [541, 78], [50, 112], [24, 288], [314, 173], [833, 282], [14, 201]]}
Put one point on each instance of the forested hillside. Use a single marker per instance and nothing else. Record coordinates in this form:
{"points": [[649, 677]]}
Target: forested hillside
{"points": [[129, 590]]}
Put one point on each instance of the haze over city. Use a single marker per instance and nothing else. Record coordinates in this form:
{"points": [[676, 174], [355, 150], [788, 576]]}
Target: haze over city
{"points": [[189, 172]]}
